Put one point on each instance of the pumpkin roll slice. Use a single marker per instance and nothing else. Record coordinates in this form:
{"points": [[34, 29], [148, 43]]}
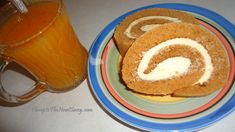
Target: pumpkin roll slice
{"points": [[182, 59], [138, 23]]}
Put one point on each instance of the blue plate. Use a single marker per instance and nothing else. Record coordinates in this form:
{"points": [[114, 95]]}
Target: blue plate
{"points": [[103, 44]]}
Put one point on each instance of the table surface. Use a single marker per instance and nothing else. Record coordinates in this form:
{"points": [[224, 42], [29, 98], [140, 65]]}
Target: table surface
{"points": [[88, 18]]}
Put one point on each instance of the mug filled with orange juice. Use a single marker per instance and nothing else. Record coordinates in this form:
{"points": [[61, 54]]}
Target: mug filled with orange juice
{"points": [[43, 42]]}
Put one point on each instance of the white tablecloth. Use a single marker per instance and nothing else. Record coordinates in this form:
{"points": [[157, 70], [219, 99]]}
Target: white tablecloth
{"points": [[88, 18]]}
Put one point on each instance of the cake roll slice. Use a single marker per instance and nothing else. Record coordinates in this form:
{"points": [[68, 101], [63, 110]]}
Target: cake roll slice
{"points": [[179, 59], [140, 22]]}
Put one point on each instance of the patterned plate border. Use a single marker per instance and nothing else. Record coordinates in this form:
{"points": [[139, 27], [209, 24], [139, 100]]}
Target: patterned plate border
{"points": [[129, 119], [213, 101]]}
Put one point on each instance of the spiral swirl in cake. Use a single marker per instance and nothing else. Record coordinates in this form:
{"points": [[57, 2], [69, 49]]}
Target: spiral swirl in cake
{"points": [[174, 58], [138, 23]]}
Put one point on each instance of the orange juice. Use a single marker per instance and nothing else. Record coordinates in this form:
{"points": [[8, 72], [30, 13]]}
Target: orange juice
{"points": [[44, 42]]}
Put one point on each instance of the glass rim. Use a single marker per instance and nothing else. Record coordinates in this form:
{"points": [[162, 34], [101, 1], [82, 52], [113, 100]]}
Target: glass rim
{"points": [[34, 35]]}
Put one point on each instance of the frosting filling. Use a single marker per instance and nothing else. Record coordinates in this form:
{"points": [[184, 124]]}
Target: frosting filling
{"points": [[174, 66], [147, 27]]}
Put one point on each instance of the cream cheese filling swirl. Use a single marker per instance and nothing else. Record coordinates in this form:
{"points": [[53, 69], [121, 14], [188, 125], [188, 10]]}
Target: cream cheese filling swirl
{"points": [[145, 28], [174, 66]]}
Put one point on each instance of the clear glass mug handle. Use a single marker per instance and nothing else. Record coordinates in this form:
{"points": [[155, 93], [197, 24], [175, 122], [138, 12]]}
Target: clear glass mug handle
{"points": [[37, 89]]}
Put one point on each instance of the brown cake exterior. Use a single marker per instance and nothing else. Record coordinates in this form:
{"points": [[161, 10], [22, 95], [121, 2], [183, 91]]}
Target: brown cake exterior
{"points": [[155, 16], [184, 84]]}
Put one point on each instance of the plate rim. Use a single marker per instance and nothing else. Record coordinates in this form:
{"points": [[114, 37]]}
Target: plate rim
{"points": [[145, 125], [104, 54]]}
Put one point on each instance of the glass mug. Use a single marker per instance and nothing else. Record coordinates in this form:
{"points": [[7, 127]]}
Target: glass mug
{"points": [[44, 43]]}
